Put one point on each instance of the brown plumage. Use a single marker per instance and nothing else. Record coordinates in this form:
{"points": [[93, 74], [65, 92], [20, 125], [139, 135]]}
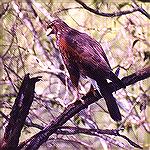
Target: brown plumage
{"points": [[83, 55]]}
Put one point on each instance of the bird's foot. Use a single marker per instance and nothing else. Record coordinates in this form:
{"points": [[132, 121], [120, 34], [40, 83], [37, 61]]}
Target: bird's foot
{"points": [[94, 91], [75, 100], [81, 100]]}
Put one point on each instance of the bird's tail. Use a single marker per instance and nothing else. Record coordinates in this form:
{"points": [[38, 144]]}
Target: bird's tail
{"points": [[116, 80], [110, 100]]}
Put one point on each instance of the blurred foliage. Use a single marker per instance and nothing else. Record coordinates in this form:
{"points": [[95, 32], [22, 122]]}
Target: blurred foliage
{"points": [[126, 41]]}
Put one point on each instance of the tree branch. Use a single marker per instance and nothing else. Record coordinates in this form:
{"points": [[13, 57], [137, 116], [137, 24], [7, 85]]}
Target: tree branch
{"points": [[19, 113], [67, 130], [114, 14], [89, 98], [141, 9]]}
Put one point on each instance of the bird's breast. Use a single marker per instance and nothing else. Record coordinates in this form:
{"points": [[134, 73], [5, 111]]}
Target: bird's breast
{"points": [[63, 47], [67, 50]]}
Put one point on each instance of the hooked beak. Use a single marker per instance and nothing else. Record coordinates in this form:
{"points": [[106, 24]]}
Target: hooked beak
{"points": [[49, 31]]}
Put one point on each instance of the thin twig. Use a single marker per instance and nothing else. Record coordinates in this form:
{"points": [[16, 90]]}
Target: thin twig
{"points": [[141, 9], [115, 14]]}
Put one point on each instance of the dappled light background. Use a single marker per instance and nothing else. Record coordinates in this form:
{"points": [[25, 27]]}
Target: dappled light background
{"points": [[126, 42]]}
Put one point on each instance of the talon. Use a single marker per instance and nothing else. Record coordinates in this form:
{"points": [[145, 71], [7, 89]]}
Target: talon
{"points": [[82, 101], [93, 90], [74, 101]]}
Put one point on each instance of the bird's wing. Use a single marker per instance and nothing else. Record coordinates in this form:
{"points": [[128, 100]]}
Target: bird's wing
{"points": [[88, 52], [98, 49]]}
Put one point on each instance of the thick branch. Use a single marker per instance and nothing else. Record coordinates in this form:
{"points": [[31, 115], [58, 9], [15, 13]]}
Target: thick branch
{"points": [[90, 98], [19, 113]]}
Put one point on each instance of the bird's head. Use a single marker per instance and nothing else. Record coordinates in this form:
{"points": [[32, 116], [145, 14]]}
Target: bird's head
{"points": [[57, 27]]}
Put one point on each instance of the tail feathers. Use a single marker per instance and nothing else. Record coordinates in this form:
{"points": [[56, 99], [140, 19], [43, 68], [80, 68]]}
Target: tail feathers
{"points": [[112, 107], [110, 101], [116, 80]]}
